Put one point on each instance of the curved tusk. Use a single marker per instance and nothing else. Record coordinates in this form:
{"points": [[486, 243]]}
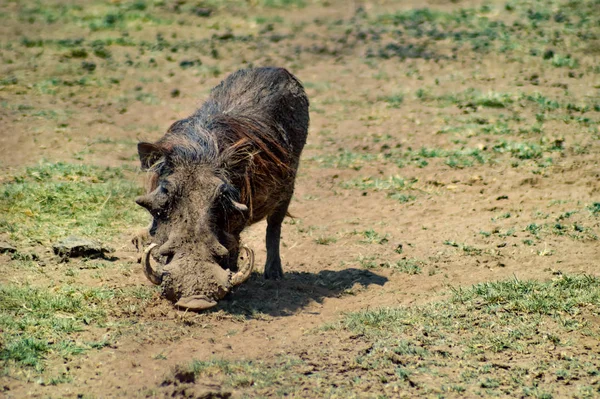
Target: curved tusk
{"points": [[244, 273], [239, 206], [150, 273]]}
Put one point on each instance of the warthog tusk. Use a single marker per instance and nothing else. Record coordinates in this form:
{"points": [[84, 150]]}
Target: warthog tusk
{"points": [[244, 273], [150, 273]]}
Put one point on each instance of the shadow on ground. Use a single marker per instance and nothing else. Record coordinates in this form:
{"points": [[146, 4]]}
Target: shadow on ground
{"points": [[295, 291]]}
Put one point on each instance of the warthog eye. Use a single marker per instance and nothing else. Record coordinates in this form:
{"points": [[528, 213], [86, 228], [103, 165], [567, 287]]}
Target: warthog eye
{"points": [[158, 201]]}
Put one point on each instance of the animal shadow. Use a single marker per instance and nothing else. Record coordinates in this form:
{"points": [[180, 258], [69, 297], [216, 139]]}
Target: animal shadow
{"points": [[295, 291]]}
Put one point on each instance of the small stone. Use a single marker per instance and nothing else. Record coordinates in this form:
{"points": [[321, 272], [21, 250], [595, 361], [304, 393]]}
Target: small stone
{"points": [[7, 248], [72, 247]]}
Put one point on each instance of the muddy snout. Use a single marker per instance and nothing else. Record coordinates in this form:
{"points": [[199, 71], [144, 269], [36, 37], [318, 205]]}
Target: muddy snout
{"points": [[196, 284]]}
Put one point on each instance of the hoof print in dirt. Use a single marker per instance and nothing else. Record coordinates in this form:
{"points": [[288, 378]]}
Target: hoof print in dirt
{"points": [[6, 248], [74, 247]]}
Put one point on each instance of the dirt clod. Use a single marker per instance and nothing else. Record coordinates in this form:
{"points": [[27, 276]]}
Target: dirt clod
{"points": [[6, 248], [73, 247]]}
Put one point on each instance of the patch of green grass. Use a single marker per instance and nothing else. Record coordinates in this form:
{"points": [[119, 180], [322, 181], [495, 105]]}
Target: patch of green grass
{"points": [[566, 295], [324, 240], [409, 266], [520, 150], [105, 16], [251, 374], [415, 17], [564, 225], [373, 237], [564, 61], [46, 13], [505, 215], [147, 98], [283, 3], [508, 233], [402, 197], [124, 16], [395, 187], [345, 159], [469, 98], [467, 25], [499, 128], [26, 351], [515, 308], [544, 103], [368, 261], [574, 230], [38, 322], [393, 101], [8, 80], [467, 249], [392, 183], [277, 19], [319, 87], [494, 100], [582, 108], [477, 342], [51, 201], [456, 159]]}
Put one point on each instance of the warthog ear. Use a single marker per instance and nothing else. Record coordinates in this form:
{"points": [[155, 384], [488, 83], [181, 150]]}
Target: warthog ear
{"points": [[149, 154]]}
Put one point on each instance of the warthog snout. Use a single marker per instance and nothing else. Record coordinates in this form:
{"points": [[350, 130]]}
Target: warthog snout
{"points": [[181, 286]]}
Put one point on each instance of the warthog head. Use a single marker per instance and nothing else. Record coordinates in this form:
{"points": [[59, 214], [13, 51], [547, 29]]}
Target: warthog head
{"points": [[191, 205]]}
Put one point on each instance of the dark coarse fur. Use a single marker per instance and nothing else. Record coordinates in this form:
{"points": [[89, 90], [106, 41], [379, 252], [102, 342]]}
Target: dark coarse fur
{"points": [[252, 129], [249, 135]]}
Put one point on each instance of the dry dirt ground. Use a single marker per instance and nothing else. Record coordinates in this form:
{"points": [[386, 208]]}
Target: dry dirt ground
{"points": [[452, 143]]}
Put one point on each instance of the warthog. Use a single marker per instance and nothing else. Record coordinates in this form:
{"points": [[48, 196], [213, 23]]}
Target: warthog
{"points": [[229, 165]]}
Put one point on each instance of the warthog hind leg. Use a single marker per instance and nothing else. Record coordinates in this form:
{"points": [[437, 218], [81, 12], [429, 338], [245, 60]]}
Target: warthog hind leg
{"points": [[273, 269]]}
